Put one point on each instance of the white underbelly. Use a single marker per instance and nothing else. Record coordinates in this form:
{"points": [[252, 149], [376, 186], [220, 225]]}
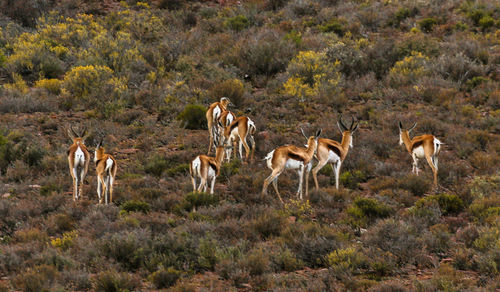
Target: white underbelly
{"points": [[419, 152], [293, 164], [333, 157], [211, 173]]}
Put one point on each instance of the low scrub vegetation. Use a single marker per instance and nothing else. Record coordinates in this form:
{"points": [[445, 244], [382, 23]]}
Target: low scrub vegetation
{"points": [[142, 75]]}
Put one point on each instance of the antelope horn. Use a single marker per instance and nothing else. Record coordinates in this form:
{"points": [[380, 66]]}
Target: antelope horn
{"points": [[341, 124], [305, 136], [414, 125]]}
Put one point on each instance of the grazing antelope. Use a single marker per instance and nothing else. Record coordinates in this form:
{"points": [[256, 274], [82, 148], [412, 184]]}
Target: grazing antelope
{"points": [[330, 151], [291, 157], [214, 111], [422, 146], [237, 132], [106, 167], [78, 160], [207, 168]]}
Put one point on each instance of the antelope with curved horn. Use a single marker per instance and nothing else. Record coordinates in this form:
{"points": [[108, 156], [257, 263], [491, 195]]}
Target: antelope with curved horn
{"points": [[330, 151], [291, 157], [214, 111], [207, 168], [105, 166], [419, 147], [238, 132], [78, 160]]}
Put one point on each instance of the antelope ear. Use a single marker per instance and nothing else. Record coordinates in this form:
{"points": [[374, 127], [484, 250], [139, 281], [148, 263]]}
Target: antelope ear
{"points": [[319, 132], [400, 126]]}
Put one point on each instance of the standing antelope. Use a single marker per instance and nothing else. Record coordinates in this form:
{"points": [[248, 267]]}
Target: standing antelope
{"points": [[422, 146], [106, 167], [207, 168], [78, 160], [237, 132], [333, 152], [291, 157], [213, 113]]}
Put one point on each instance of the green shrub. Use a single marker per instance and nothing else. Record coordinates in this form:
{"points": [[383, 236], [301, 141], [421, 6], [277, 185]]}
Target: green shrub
{"points": [[449, 204], [135, 206], [231, 88], [156, 165], [181, 169], [365, 210], [238, 22], [427, 24], [333, 25], [111, 281], [196, 199], [346, 260], [7, 153], [418, 185], [486, 22], [193, 117], [165, 278], [352, 179]]}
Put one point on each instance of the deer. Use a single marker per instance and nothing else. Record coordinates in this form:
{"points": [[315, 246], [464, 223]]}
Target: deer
{"points": [[78, 160], [333, 152], [291, 157], [106, 168], [237, 133], [207, 168], [213, 113], [424, 146]]}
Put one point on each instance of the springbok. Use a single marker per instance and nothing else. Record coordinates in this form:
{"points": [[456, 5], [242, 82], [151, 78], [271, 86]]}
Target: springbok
{"points": [[238, 132], [333, 152], [213, 113], [291, 157], [422, 146], [106, 167], [78, 160], [207, 168]]}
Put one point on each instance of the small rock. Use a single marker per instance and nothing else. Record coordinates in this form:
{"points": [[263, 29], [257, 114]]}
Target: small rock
{"points": [[6, 195]]}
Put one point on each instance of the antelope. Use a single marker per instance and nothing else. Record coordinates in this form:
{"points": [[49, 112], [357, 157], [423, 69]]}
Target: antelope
{"points": [[78, 160], [422, 146], [207, 168], [237, 132], [333, 152], [291, 157], [106, 167], [213, 113]]}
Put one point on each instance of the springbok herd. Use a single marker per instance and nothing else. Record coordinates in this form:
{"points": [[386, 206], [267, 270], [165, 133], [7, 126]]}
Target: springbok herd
{"points": [[225, 132]]}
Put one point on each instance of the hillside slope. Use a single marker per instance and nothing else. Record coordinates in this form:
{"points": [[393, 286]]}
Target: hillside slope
{"points": [[143, 73]]}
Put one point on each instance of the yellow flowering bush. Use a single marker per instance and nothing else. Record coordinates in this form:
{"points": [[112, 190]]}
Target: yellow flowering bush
{"points": [[66, 241], [410, 68], [310, 74], [51, 85]]}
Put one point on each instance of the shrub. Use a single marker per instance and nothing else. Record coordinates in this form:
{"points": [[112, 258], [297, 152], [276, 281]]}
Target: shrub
{"points": [[486, 22], [427, 24], [181, 169], [449, 204], [135, 206], [426, 213], [51, 85], [352, 179], [165, 278], [311, 74], [66, 241], [238, 22], [346, 260], [39, 278], [268, 224], [111, 281], [193, 117], [410, 69], [231, 88], [395, 237], [127, 248], [333, 25], [365, 210], [194, 200], [156, 165], [418, 185]]}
